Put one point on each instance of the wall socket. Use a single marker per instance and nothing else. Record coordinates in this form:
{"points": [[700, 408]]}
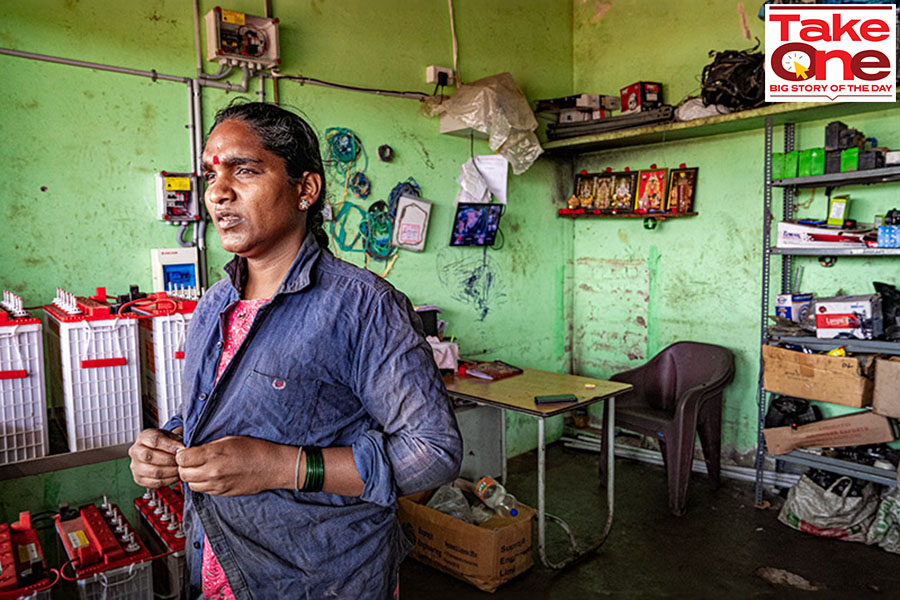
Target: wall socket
{"points": [[433, 72]]}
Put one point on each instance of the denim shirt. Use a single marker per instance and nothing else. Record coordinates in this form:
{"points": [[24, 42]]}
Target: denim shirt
{"points": [[337, 357]]}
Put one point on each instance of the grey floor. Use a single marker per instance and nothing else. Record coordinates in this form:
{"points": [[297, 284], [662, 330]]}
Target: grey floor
{"points": [[713, 551]]}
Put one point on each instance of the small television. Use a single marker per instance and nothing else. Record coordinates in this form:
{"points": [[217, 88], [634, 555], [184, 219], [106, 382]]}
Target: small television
{"points": [[476, 224]]}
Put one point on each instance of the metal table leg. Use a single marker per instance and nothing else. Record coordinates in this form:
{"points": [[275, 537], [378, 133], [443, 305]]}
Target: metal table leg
{"points": [[543, 515]]}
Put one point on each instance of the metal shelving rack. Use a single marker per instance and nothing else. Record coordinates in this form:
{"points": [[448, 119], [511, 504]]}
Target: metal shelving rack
{"points": [[789, 187]]}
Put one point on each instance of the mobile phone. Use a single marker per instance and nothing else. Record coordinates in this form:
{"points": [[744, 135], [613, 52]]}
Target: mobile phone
{"points": [[556, 399]]}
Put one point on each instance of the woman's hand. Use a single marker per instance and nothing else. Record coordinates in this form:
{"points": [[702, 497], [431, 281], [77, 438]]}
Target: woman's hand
{"points": [[237, 466], [153, 457]]}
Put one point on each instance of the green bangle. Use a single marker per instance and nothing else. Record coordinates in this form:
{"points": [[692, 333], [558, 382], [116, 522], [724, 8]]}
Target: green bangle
{"points": [[315, 470]]}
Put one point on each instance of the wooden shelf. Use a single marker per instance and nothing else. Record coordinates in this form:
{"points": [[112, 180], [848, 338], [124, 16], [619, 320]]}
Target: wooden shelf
{"points": [[655, 216], [731, 123]]}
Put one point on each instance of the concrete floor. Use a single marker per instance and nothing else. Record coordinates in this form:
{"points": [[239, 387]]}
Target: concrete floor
{"points": [[710, 552]]}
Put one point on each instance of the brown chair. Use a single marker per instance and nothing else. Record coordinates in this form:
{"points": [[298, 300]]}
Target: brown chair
{"points": [[677, 395]]}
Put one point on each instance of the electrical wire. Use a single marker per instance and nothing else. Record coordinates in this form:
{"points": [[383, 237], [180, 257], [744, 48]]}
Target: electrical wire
{"points": [[62, 570], [353, 88], [410, 187], [344, 151], [339, 227]]}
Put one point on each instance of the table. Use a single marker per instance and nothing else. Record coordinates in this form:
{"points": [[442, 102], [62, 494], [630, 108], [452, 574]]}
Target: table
{"points": [[517, 393]]}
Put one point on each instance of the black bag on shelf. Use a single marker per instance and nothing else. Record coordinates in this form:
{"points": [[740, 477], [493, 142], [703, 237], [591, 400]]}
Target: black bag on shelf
{"points": [[735, 79], [785, 411]]}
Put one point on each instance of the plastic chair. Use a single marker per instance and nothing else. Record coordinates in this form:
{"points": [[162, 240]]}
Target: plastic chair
{"points": [[677, 395]]}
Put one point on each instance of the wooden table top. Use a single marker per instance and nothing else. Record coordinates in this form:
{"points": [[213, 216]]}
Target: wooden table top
{"points": [[518, 392]]}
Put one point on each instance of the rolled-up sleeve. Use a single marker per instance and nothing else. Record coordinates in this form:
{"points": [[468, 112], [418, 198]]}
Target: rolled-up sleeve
{"points": [[418, 446]]}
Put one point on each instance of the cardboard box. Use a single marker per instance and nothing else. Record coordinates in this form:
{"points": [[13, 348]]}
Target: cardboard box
{"points": [[797, 235], [778, 165], [485, 555], [793, 306], [857, 316], [640, 96], [836, 379], [849, 430], [886, 397]]}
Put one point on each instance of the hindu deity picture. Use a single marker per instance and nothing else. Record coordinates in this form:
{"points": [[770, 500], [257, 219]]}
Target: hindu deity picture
{"points": [[682, 190], [651, 190], [623, 186]]}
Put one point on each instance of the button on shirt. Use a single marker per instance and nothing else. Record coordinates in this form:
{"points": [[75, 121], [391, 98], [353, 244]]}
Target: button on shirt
{"points": [[336, 358]]}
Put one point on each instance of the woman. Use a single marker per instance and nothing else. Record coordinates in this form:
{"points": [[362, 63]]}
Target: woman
{"points": [[313, 399]]}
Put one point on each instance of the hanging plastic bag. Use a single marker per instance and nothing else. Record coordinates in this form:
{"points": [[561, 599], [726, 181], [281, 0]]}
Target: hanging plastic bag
{"points": [[829, 513], [496, 106], [885, 529]]}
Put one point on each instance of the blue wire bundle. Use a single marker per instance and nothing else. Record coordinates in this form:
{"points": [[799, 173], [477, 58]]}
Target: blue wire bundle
{"points": [[343, 153], [409, 188], [360, 185], [378, 231]]}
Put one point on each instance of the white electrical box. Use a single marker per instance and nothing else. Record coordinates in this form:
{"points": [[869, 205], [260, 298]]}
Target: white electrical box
{"points": [[234, 37], [177, 197], [175, 269]]}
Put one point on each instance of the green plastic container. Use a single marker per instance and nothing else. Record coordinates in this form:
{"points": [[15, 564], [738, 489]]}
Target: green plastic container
{"points": [[817, 161], [849, 160], [777, 165], [804, 161], [790, 164]]}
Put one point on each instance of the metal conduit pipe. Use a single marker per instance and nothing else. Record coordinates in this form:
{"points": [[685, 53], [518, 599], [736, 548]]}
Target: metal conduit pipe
{"points": [[152, 74], [199, 233]]}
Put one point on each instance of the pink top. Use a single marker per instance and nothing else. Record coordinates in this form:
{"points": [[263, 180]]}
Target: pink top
{"points": [[215, 584]]}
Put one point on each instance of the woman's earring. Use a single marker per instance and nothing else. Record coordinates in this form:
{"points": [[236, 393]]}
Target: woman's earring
{"points": [[304, 205]]}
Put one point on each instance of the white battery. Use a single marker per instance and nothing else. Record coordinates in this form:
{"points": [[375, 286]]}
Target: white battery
{"points": [[162, 359], [23, 405], [94, 369]]}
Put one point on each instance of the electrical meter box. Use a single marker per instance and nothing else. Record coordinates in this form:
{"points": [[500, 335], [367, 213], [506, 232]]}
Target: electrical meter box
{"points": [[237, 38], [177, 197]]}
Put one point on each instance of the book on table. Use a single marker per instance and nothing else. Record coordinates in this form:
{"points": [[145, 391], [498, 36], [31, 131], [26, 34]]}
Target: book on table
{"points": [[492, 370]]}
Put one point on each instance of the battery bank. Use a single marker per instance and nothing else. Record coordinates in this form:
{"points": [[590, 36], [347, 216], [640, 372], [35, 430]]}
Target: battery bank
{"points": [[94, 370], [23, 405], [161, 512], [108, 558], [23, 571], [161, 337]]}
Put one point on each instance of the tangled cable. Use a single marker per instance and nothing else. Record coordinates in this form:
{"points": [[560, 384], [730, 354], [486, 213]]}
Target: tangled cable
{"points": [[344, 152], [410, 187]]}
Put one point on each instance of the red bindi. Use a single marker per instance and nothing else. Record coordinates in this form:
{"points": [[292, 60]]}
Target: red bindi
{"points": [[216, 159]]}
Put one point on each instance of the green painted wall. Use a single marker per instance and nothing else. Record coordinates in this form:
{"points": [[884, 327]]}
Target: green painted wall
{"points": [[636, 291], [82, 147]]}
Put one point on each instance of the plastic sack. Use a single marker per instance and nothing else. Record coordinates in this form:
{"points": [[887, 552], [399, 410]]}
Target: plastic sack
{"points": [[497, 107], [812, 509], [451, 501], [885, 529]]}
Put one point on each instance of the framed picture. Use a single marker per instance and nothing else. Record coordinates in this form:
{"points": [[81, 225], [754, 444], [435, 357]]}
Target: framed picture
{"points": [[682, 190], [651, 195], [584, 192], [603, 192], [623, 188]]}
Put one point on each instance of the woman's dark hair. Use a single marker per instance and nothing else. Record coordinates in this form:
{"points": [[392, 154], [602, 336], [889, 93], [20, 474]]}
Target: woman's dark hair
{"points": [[291, 138]]}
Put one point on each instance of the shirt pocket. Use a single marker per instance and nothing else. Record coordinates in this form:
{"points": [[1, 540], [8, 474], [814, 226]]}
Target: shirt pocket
{"points": [[276, 408]]}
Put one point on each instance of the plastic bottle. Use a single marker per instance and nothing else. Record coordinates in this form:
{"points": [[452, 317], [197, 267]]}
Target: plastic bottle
{"points": [[495, 496]]}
